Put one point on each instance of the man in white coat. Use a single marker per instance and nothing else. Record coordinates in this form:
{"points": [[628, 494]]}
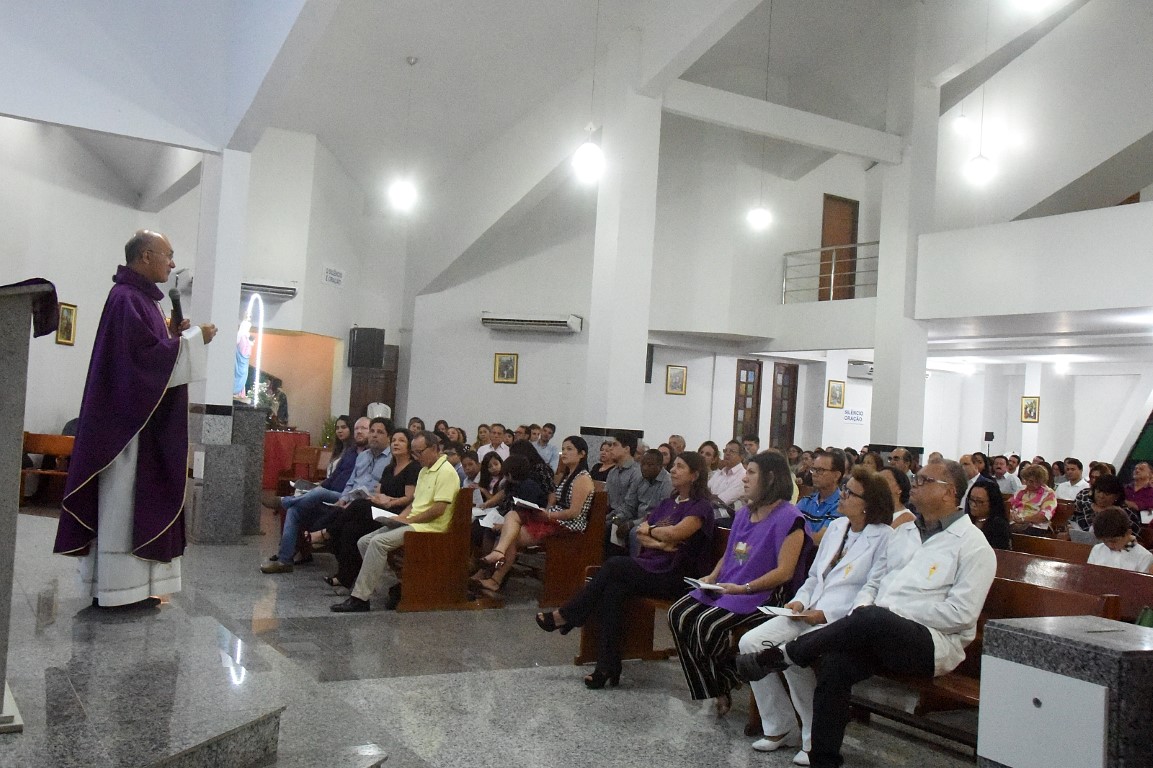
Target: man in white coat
{"points": [[916, 619]]}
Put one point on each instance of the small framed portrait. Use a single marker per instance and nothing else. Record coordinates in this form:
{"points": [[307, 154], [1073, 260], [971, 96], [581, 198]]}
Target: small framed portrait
{"points": [[676, 379], [66, 330], [504, 367], [1030, 410], [835, 397]]}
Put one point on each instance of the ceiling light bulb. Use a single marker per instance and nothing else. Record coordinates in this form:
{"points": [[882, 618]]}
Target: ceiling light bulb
{"points": [[962, 125], [588, 163], [1061, 367], [980, 170], [1034, 6], [402, 195], [759, 218]]}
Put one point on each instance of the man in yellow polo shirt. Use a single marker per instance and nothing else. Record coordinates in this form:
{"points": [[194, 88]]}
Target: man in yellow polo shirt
{"points": [[430, 510]]}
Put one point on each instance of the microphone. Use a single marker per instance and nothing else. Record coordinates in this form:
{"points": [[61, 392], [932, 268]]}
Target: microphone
{"points": [[177, 314]]}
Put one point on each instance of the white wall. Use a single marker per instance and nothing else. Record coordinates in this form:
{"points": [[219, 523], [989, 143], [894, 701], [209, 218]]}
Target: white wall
{"points": [[543, 265], [709, 178], [1046, 254], [691, 414], [65, 216]]}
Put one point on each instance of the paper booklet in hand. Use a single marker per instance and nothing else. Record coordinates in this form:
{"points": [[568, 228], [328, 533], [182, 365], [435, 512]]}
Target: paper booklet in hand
{"points": [[702, 585], [527, 504], [380, 513], [772, 610], [359, 492]]}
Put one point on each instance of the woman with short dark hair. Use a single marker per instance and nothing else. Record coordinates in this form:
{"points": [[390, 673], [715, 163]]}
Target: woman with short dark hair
{"points": [[764, 563], [986, 503], [899, 488], [850, 552]]}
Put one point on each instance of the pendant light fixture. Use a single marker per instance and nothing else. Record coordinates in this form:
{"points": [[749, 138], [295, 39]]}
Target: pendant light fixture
{"points": [[980, 170], [402, 193], [588, 161], [760, 218]]}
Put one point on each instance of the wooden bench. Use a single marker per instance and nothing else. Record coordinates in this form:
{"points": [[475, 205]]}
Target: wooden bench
{"points": [[1059, 523], [433, 567], [961, 688], [1135, 589], [1057, 549], [58, 446], [568, 554], [307, 463], [639, 617]]}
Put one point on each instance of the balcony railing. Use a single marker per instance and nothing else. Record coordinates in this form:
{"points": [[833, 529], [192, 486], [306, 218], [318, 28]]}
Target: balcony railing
{"points": [[830, 274]]}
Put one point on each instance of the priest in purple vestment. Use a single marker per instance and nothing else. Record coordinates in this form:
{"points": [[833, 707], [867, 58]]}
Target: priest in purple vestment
{"points": [[122, 512]]}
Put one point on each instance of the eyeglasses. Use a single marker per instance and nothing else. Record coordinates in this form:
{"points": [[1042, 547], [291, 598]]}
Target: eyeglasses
{"points": [[845, 492], [819, 470], [919, 480]]}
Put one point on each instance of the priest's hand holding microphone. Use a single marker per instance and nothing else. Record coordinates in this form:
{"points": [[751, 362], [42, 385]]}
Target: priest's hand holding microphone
{"points": [[179, 324]]}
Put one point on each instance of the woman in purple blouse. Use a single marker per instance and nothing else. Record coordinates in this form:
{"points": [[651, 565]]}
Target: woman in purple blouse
{"points": [[764, 564], [1139, 493], [674, 542]]}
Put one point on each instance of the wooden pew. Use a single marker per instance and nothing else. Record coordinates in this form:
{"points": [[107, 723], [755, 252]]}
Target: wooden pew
{"points": [[961, 688], [640, 613], [59, 446], [1135, 589], [433, 567], [568, 554], [1057, 549], [1059, 524]]}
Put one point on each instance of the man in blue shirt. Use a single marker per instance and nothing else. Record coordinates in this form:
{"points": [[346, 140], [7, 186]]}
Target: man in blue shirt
{"points": [[316, 515], [820, 508], [549, 453]]}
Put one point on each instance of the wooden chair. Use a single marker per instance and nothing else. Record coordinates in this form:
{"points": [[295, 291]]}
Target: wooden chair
{"points": [[1135, 589], [568, 554], [1059, 523], [640, 615], [961, 688], [305, 464], [59, 446], [433, 567], [1044, 546]]}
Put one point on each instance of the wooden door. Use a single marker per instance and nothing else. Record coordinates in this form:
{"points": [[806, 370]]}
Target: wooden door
{"points": [[747, 404], [783, 413], [838, 267]]}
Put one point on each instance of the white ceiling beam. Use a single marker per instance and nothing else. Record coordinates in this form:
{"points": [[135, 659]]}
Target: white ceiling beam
{"points": [[678, 32], [712, 105], [176, 173]]}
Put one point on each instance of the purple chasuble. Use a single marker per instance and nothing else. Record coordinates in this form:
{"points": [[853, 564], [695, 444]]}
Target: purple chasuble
{"points": [[126, 395]]}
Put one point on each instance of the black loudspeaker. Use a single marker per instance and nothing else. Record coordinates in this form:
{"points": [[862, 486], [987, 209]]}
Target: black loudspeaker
{"points": [[988, 437], [366, 348], [649, 365]]}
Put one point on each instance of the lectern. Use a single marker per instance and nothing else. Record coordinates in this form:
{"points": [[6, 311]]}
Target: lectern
{"points": [[15, 324]]}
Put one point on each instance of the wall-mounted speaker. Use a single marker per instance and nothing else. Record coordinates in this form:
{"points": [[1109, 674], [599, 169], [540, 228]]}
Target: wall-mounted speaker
{"points": [[366, 348]]}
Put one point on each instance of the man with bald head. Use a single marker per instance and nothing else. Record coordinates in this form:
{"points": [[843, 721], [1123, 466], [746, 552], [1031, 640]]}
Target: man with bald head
{"points": [[123, 507]]}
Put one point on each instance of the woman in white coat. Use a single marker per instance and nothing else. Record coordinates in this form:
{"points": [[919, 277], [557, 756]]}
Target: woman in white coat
{"points": [[851, 551]]}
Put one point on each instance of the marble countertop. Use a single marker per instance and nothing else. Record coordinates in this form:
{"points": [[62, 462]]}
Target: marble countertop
{"points": [[1102, 635]]}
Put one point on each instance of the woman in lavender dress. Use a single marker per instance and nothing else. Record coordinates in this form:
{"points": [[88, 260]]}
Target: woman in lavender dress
{"points": [[765, 562]]}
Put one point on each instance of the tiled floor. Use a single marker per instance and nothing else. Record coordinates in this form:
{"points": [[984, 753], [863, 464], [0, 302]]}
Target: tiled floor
{"points": [[472, 688]]}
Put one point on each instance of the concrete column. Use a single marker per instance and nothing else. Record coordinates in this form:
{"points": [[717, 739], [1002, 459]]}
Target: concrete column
{"points": [[219, 266], [906, 211], [618, 319], [220, 507], [1030, 433]]}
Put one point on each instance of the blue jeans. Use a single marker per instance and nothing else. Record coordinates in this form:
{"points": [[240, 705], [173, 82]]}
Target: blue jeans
{"points": [[308, 512]]}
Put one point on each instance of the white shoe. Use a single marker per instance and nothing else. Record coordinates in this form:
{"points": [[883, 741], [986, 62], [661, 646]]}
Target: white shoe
{"points": [[791, 739], [801, 758]]}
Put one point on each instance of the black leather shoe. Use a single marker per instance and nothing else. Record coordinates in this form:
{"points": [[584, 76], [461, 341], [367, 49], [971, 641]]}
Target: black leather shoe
{"points": [[351, 605], [760, 664]]}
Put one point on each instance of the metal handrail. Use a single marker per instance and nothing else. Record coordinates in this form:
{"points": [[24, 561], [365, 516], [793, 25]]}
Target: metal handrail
{"points": [[789, 278]]}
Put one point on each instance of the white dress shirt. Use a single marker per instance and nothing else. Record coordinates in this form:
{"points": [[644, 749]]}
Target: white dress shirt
{"points": [[501, 450], [728, 484], [1067, 491]]}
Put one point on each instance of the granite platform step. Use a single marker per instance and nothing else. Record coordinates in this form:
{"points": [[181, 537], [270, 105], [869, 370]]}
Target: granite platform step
{"points": [[364, 756], [247, 745]]}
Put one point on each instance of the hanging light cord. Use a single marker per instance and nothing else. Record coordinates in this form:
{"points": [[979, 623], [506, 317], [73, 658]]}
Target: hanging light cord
{"points": [[765, 139], [984, 85], [593, 90]]}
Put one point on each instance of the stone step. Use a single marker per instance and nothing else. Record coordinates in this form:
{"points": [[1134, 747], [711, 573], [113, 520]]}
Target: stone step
{"points": [[249, 744]]}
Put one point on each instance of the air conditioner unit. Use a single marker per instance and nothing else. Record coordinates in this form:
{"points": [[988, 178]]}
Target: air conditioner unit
{"points": [[860, 370], [504, 321], [269, 291]]}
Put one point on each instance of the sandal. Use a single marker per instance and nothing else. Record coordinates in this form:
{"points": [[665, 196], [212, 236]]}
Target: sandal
{"points": [[546, 622], [491, 591], [494, 564], [331, 581]]}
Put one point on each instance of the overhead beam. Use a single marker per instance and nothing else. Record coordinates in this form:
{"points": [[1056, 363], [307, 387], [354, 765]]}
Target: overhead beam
{"points": [[712, 105], [176, 174], [959, 86], [678, 32]]}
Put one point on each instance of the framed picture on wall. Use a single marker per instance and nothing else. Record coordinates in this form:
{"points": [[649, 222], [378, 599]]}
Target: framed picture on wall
{"points": [[504, 367], [1030, 410], [835, 398], [66, 330], [676, 379]]}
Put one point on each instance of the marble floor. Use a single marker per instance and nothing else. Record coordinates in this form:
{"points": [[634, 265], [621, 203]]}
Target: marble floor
{"points": [[473, 688]]}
